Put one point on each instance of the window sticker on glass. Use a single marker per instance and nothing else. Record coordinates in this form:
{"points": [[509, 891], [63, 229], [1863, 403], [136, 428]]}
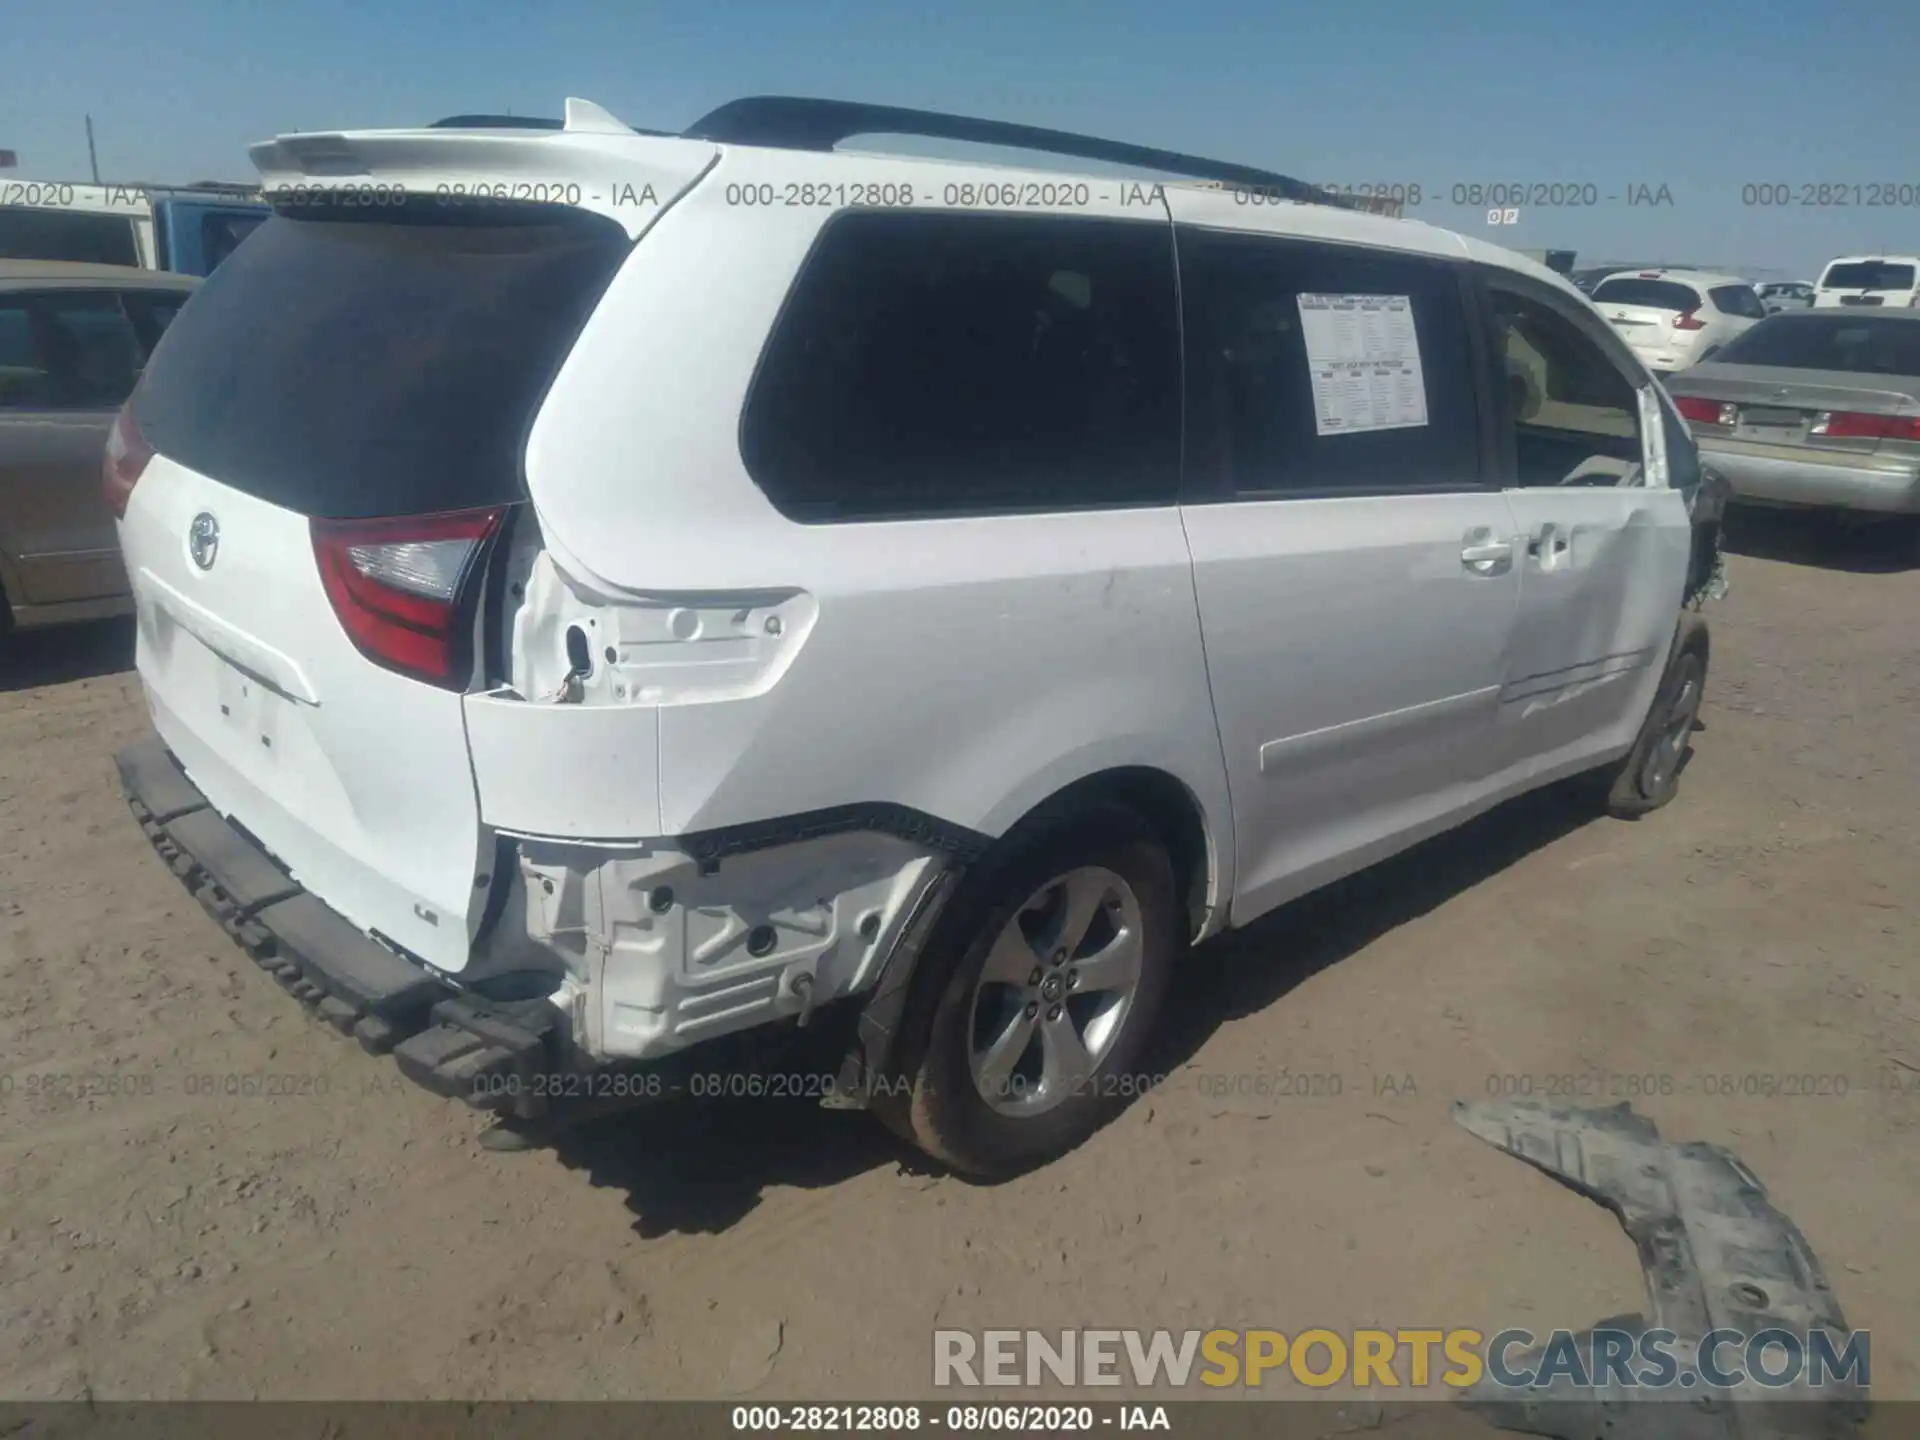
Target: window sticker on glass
{"points": [[1363, 355]]}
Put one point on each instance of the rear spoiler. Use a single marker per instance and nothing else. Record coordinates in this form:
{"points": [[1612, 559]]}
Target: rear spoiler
{"points": [[470, 161]]}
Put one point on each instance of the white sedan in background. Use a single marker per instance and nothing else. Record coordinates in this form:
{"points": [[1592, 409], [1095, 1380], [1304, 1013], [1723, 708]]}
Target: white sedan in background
{"points": [[1779, 295], [1671, 319]]}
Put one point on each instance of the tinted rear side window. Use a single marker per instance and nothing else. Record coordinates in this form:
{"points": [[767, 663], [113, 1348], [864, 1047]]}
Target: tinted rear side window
{"points": [[941, 364], [1654, 294], [66, 352], [386, 365], [67, 235], [1266, 418], [1737, 300], [1824, 340], [1868, 275]]}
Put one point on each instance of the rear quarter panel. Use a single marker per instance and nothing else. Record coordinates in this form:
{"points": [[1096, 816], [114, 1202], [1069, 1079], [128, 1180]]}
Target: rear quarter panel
{"points": [[967, 668]]}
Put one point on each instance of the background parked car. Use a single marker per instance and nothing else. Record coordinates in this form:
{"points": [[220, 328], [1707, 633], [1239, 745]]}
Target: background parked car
{"points": [[185, 228], [1778, 295], [1671, 319], [1882, 280], [1814, 408], [73, 340]]}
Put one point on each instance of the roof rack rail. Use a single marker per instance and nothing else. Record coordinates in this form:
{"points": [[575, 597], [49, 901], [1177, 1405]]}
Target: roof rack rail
{"points": [[792, 122], [529, 122]]}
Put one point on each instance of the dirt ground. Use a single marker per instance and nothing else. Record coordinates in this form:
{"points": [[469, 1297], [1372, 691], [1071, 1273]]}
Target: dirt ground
{"points": [[353, 1241]]}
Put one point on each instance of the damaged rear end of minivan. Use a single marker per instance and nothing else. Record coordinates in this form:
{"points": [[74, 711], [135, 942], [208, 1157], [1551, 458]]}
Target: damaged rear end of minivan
{"points": [[347, 610]]}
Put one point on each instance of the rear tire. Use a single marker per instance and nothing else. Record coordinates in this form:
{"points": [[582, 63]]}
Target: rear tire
{"points": [[1036, 997], [1649, 776]]}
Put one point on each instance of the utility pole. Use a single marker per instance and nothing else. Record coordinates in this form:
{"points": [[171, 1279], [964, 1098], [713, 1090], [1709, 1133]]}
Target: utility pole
{"points": [[92, 159]]}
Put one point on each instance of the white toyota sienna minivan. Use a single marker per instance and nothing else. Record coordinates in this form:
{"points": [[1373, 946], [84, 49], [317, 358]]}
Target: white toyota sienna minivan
{"points": [[615, 607]]}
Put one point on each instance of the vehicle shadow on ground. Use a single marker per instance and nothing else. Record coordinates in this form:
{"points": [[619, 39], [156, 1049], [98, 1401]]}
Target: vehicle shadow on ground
{"points": [[695, 1167], [1818, 539], [1245, 971], [62, 653]]}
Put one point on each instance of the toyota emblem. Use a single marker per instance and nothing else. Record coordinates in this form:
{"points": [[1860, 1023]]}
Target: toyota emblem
{"points": [[203, 540]]}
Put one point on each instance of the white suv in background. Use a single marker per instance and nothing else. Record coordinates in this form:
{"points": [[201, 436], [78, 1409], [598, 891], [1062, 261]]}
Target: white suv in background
{"points": [[1675, 318], [638, 608], [1869, 280]]}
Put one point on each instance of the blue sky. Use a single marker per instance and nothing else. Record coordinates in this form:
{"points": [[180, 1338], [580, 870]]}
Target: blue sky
{"points": [[1703, 99]]}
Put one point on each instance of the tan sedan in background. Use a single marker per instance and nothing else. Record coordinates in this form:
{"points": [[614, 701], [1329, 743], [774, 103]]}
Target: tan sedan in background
{"points": [[73, 340]]}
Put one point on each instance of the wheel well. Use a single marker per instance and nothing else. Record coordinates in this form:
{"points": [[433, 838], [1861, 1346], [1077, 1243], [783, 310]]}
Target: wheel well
{"points": [[1165, 804]]}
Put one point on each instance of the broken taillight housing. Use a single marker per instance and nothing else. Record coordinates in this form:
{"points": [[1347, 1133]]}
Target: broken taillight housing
{"points": [[127, 457], [1688, 320], [406, 589]]}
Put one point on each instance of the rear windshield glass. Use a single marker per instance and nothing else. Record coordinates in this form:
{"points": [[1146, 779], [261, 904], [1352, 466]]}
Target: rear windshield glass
{"points": [[382, 365], [1816, 340], [1868, 275], [1654, 294], [66, 235]]}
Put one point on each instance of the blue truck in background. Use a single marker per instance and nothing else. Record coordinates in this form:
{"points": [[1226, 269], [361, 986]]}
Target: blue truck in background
{"points": [[188, 229], [195, 228]]}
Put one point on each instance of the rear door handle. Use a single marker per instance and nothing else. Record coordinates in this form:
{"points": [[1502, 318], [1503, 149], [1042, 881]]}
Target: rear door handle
{"points": [[1484, 554]]}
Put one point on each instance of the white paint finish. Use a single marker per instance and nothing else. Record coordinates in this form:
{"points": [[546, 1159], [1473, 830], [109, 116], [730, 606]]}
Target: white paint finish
{"points": [[1240, 210], [361, 786], [273, 667], [630, 178], [1827, 295], [656, 386], [573, 771], [1649, 330], [1008, 655], [1356, 660], [1325, 677]]}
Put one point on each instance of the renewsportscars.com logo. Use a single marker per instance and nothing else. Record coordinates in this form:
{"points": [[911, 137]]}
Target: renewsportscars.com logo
{"points": [[1771, 1359]]}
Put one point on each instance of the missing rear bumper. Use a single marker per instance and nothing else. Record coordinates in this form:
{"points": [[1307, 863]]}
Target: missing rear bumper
{"points": [[495, 1057], [521, 1058]]}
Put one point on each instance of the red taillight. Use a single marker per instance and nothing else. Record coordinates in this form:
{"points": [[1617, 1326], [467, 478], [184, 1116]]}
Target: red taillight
{"points": [[1849, 425], [404, 588], [1703, 412], [127, 455], [1686, 321]]}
